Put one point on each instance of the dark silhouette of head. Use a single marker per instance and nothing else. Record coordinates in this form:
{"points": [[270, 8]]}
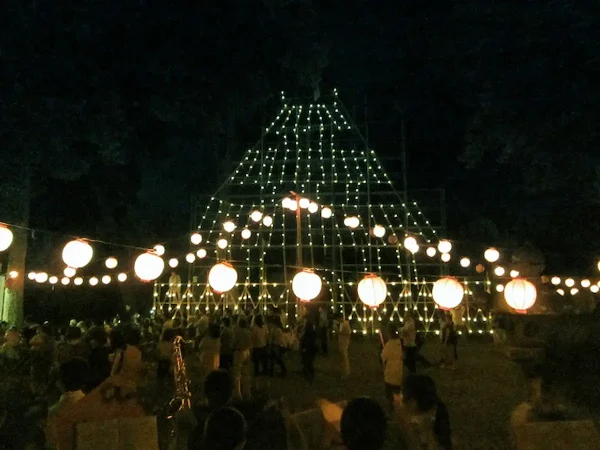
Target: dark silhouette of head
{"points": [[218, 388], [363, 425], [225, 429]]}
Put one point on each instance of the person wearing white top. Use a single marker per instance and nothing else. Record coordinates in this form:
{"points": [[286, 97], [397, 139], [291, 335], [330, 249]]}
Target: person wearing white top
{"points": [[392, 359], [409, 337], [175, 286], [343, 344]]}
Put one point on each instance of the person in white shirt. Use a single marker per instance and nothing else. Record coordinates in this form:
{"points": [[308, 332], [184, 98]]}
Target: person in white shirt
{"points": [[260, 353], [175, 286], [409, 338], [344, 333], [392, 359]]}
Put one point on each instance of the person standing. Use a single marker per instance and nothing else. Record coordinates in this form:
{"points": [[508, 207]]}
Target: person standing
{"points": [[324, 329], [449, 340], [226, 359], [308, 349], [242, 345], [175, 286], [260, 338], [344, 333], [277, 345], [409, 338], [392, 359]]}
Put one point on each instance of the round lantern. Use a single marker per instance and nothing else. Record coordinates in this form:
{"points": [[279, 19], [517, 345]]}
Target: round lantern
{"points": [[6, 238], [465, 262], [148, 266], [372, 290], [41, 277], [78, 281], [500, 288], [514, 273], [378, 231], [410, 243], [53, 280], [431, 252], [574, 291], [196, 238], [77, 254], [159, 249], [326, 213], [111, 263], [480, 268], [545, 279], [560, 292], [201, 253], [445, 257], [586, 283], [352, 222], [65, 281], [285, 203], [491, 255], [222, 244], [313, 207], [304, 203], [122, 277], [444, 246], [306, 285], [447, 293], [69, 272], [93, 281], [267, 221], [246, 233], [190, 258], [106, 279], [173, 262], [594, 289], [229, 226], [555, 281], [13, 274], [222, 277], [256, 216], [499, 271], [520, 294], [569, 282]]}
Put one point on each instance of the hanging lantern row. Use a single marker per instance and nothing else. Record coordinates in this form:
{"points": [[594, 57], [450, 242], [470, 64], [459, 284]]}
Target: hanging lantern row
{"points": [[43, 277]]}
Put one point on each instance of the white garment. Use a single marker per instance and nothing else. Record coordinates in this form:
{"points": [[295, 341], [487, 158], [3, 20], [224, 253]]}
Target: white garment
{"points": [[64, 402], [409, 333], [344, 335], [393, 362]]}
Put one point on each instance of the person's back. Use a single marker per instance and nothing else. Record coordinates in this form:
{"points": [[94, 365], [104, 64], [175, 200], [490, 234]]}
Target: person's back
{"points": [[363, 425], [393, 361], [225, 429]]}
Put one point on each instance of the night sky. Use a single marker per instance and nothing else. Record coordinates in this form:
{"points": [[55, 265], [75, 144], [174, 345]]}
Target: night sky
{"points": [[119, 112]]}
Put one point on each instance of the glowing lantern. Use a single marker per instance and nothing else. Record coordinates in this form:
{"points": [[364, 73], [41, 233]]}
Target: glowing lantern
{"points": [[378, 231], [196, 238], [444, 246], [431, 252], [499, 288], [491, 255], [465, 262], [148, 266], [93, 281], [173, 262], [574, 291], [41, 277], [560, 292], [520, 294], [313, 207], [306, 285], [499, 271], [159, 249], [77, 254], [410, 243], [256, 216], [326, 213], [304, 203], [69, 272], [545, 279], [267, 221], [201, 253], [585, 283], [352, 222], [111, 263], [222, 277], [106, 279], [229, 226], [78, 281], [122, 277], [285, 203], [514, 273], [447, 293], [594, 289], [598, 265], [190, 258], [53, 280], [246, 233], [445, 257], [569, 282], [480, 268], [13, 274], [555, 281], [65, 280], [372, 290], [222, 244], [6, 238], [291, 204]]}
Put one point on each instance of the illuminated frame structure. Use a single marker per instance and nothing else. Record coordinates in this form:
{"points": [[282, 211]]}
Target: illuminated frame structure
{"points": [[313, 149]]}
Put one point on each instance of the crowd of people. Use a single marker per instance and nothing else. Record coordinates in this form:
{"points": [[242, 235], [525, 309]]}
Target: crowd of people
{"points": [[56, 367]]}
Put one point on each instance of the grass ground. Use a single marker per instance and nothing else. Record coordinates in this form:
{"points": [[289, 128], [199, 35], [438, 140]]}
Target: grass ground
{"points": [[480, 393]]}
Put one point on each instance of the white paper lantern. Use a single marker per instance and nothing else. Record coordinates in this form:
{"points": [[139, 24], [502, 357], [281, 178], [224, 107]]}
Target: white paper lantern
{"points": [[499, 288], [41, 277], [106, 279], [122, 277], [65, 280], [569, 282], [514, 273], [173, 262], [326, 213], [304, 203], [111, 262], [447, 293], [246, 233], [190, 258], [465, 262], [93, 281], [229, 226], [499, 271], [555, 281], [267, 221], [78, 281], [352, 222], [560, 292], [148, 266], [201, 253], [159, 249], [196, 238], [445, 257], [222, 244], [256, 216], [6, 238], [53, 280], [306, 285], [31, 275], [594, 289], [69, 272], [431, 252], [313, 207], [574, 291], [379, 231], [77, 254], [520, 294], [586, 283], [410, 244], [444, 246], [491, 255], [372, 290], [285, 203], [222, 277], [292, 204], [13, 274]]}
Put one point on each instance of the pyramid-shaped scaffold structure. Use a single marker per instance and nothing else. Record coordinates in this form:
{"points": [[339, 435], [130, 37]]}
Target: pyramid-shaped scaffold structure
{"points": [[312, 150]]}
